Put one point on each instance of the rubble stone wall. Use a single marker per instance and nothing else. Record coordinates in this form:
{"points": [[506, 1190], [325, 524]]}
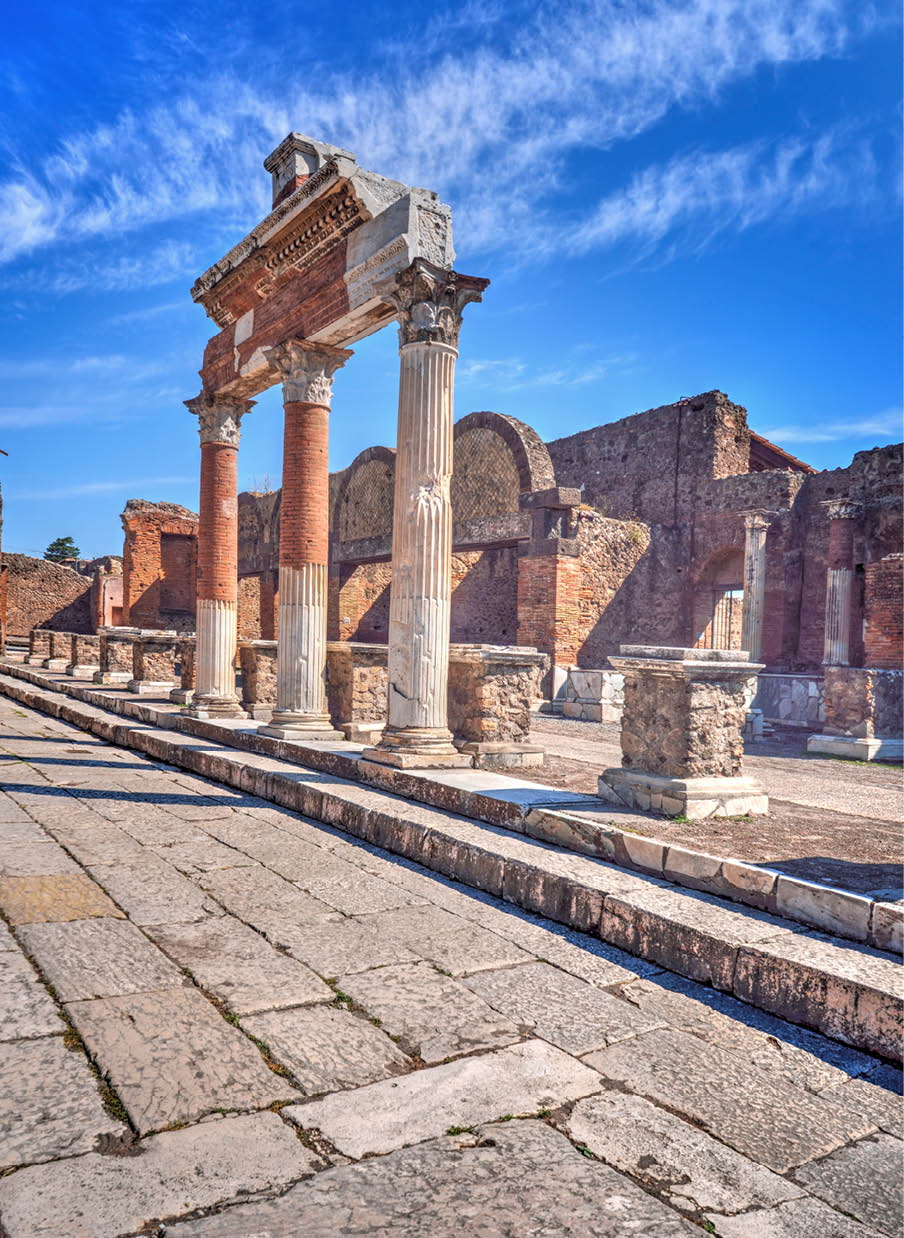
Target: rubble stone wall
{"points": [[863, 701], [680, 729], [41, 594]]}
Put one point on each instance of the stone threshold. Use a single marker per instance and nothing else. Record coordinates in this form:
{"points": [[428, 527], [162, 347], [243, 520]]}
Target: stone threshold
{"points": [[573, 820], [847, 991]]}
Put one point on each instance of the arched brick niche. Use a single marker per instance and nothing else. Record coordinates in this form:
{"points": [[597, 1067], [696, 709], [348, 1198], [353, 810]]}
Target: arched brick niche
{"points": [[364, 502], [719, 600], [496, 458]]}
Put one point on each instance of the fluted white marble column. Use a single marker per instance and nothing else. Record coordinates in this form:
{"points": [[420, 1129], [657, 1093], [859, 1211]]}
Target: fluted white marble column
{"points": [[756, 526], [307, 371], [430, 301], [839, 583], [219, 421]]}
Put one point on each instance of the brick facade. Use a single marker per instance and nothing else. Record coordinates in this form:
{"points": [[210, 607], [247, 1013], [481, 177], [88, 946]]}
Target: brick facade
{"points": [[884, 618], [159, 565]]}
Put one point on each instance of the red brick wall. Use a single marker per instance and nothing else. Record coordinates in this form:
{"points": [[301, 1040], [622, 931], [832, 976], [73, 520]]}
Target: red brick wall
{"points": [[305, 511], [218, 523], [40, 594], [159, 565], [884, 634]]}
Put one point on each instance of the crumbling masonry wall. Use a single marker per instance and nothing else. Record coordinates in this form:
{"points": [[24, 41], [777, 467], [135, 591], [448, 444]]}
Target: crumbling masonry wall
{"points": [[41, 594], [159, 565]]}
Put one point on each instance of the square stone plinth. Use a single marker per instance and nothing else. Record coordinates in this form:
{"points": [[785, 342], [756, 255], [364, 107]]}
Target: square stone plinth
{"points": [[857, 748], [415, 760], [694, 798], [301, 735]]}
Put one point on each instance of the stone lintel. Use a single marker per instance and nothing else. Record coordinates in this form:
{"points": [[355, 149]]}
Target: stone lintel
{"points": [[694, 798], [555, 497]]}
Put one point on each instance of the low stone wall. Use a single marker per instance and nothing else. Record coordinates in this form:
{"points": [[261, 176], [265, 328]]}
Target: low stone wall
{"points": [[257, 662], [863, 701], [84, 656], [38, 646], [154, 662], [594, 695], [791, 699], [357, 681]]}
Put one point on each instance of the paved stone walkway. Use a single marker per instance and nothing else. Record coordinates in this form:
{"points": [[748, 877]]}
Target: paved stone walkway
{"points": [[220, 1018]]}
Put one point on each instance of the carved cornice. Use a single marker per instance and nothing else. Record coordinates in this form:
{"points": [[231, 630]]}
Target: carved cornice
{"points": [[842, 509], [307, 370], [429, 301], [219, 417]]}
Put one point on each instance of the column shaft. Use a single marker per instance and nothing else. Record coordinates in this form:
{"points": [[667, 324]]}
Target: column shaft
{"points": [[756, 527], [839, 585]]}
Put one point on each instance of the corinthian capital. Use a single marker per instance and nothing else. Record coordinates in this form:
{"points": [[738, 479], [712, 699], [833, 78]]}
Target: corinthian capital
{"points": [[842, 509], [307, 370], [219, 417], [430, 301]]}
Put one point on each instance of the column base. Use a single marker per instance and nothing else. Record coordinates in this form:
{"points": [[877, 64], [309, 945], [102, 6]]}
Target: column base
{"points": [[362, 732], [857, 748], [214, 707], [182, 696], [115, 677], [150, 687], [418, 748], [303, 728], [55, 664], [694, 798], [493, 754], [35, 659], [74, 671]]}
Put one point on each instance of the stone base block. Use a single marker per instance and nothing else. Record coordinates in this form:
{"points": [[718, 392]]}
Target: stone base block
{"points": [[418, 760], [55, 664], [362, 732], [114, 677], [856, 748], [182, 696], [260, 713], [694, 798], [35, 659], [214, 707], [301, 735], [496, 755], [150, 687], [81, 672], [584, 711]]}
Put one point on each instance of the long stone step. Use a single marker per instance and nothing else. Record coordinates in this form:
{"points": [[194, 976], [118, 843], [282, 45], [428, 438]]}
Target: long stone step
{"points": [[847, 991]]}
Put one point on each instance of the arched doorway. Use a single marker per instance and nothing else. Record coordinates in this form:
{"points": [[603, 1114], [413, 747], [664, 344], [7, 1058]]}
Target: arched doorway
{"points": [[719, 601]]}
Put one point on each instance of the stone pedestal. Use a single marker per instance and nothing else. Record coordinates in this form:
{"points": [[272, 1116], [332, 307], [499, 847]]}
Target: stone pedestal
{"points": [[357, 681], [183, 694], [154, 663], [491, 690], [307, 372], [60, 653], [258, 660], [84, 655], [429, 303], [38, 646], [681, 733], [219, 421], [115, 655], [863, 720]]}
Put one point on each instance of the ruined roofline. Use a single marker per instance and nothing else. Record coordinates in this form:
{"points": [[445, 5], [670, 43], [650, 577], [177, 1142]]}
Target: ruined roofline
{"points": [[714, 397], [793, 462], [135, 507]]}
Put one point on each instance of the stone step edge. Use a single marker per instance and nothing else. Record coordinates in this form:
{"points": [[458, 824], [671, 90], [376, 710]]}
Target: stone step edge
{"points": [[858, 1012], [841, 913]]}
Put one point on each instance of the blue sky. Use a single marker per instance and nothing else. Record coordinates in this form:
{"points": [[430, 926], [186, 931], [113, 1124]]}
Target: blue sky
{"points": [[668, 196]]}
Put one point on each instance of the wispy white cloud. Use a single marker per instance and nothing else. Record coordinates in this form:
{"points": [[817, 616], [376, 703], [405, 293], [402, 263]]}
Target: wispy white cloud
{"points": [[490, 127], [513, 374], [144, 315], [124, 368], [888, 424], [99, 487]]}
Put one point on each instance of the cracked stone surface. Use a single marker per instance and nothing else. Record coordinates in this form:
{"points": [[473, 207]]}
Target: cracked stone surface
{"points": [[177, 1172], [254, 894], [863, 1179], [387, 1115], [799, 1218], [327, 1048], [238, 966], [560, 1008], [26, 1008], [433, 1015], [877, 1096], [757, 1114], [337, 947], [446, 940], [152, 891], [97, 958], [172, 1058], [49, 1103]]}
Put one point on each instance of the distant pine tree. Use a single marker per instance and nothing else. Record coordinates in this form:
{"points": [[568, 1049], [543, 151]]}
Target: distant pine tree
{"points": [[61, 550]]}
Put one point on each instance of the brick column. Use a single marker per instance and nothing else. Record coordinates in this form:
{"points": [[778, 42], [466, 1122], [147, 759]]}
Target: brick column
{"points": [[307, 372], [839, 583], [756, 525], [219, 420], [429, 301]]}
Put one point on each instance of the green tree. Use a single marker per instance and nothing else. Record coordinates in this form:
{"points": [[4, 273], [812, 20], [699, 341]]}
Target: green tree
{"points": [[61, 549]]}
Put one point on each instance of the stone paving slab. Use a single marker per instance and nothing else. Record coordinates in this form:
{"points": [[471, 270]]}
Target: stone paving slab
{"points": [[445, 939], [50, 1105], [34, 859], [799, 1218], [176, 1172], [759, 1115], [804, 1058], [521, 1178], [238, 966], [202, 856], [560, 1008], [326, 1048], [387, 1115], [155, 826], [172, 1058], [255, 895], [434, 1016], [692, 1170], [95, 844], [152, 892], [877, 1097], [26, 1008], [338, 947], [7, 941], [97, 958], [21, 830], [69, 896], [863, 1179]]}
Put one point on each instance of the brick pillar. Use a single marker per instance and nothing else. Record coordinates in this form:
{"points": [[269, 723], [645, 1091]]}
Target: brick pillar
{"points": [[429, 302], [307, 372], [549, 584], [756, 525], [219, 421], [839, 583]]}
